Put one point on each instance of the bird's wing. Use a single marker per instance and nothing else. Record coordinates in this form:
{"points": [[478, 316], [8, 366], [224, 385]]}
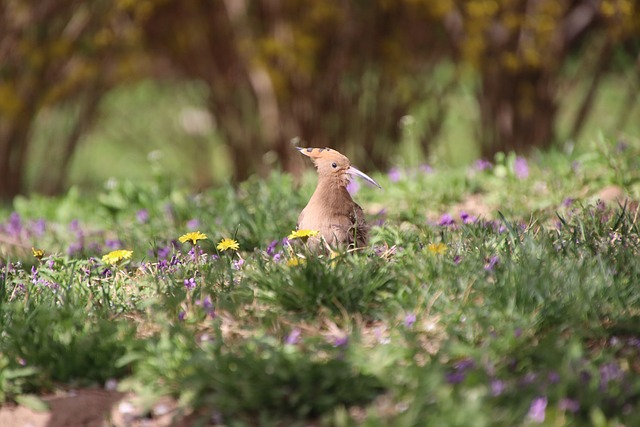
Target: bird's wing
{"points": [[358, 234]]}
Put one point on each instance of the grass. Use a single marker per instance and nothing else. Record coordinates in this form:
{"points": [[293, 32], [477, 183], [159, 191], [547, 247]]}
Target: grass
{"points": [[500, 296]]}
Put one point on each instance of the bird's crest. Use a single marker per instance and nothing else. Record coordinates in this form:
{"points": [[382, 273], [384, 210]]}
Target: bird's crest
{"points": [[323, 154]]}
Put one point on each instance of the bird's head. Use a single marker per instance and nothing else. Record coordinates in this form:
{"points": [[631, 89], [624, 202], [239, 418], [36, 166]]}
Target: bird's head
{"points": [[333, 166]]}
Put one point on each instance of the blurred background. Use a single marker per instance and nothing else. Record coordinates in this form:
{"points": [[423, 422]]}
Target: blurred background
{"points": [[209, 91]]}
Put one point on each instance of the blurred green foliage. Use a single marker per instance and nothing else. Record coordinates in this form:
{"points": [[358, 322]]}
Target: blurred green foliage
{"points": [[362, 77]]}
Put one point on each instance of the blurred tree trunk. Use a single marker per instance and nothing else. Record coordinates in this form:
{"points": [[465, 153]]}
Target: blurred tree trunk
{"points": [[519, 49], [51, 51], [13, 147], [517, 112], [326, 72], [52, 181], [599, 69]]}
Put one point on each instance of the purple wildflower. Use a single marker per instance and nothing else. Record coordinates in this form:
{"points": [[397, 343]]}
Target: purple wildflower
{"points": [[609, 372], [49, 284], [190, 283], [207, 306], [278, 257], [39, 227], [517, 332], [455, 377], [567, 202], [409, 320], [521, 167], [353, 187], [585, 377], [567, 404], [553, 377], [75, 248], [142, 216], [394, 174], [380, 336], [195, 252], [113, 244], [466, 218], [293, 337], [14, 225], [465, 364], [192, 224], [446, 220], [497, 387], [74, 225], [95, 247], [528, 379], [537, 410], [163, 252], [425, 168], [182, 315], [457, 259], [271, 249], [482, 165], [237, 265], [34, 274], [460, 368], [491, 263], [340, 340], [381, 216]]}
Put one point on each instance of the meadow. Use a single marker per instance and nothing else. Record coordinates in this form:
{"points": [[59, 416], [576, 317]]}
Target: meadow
{"points": [[499, 294]]}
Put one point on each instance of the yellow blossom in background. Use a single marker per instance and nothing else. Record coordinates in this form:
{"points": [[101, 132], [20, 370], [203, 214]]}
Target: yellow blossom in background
{"points": [[295, 261], [226, 244], [38, 253], [115, 256], [437, 248], [192, 237], [302, 234]]}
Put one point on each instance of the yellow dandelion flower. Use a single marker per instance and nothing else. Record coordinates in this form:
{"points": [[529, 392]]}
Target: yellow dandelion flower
{"points": [[437, 248], [192, 237], [116, 256], [226, 244], [302, 234], [38, 253], [295, 261]]}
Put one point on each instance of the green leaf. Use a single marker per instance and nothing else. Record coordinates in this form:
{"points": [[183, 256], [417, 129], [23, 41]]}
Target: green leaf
{"points": [[19, 373], [32, 402]]}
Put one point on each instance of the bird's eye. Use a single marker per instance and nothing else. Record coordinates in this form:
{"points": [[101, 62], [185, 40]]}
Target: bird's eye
{"points": [[334, 165]]}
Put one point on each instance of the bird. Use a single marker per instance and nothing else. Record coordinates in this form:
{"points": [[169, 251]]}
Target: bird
{"points": [[331, 211]]}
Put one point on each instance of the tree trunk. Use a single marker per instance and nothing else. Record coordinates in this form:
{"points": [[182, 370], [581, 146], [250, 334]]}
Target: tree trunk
{"points": [[13, 149], [517, 111]]}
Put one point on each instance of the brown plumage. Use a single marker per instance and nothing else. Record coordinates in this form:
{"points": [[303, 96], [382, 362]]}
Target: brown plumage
{"points": [[331, 210]]}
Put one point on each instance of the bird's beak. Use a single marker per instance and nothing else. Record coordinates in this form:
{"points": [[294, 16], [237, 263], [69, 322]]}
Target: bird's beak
{"points": [[354, 171]]}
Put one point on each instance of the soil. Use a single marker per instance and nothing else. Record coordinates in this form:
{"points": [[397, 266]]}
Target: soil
{"points": [[93, 408]]}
